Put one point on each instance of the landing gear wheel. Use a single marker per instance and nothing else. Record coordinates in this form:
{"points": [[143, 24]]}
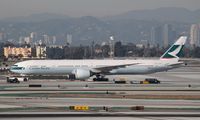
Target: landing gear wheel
{"points": [[100, 78], [25, 79], [16, 80]]}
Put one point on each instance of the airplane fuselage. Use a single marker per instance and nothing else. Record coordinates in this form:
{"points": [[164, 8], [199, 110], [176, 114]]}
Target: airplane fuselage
{"points": [[45, 67]]}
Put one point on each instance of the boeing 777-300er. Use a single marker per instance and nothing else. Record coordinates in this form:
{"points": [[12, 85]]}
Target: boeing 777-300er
{"points": [[84, 69]]}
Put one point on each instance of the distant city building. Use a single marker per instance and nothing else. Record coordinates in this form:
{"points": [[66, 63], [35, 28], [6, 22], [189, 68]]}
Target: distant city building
{"points": [[69, 39], [27, 40], [55, 46], [166, 30], [145, 43], [41, 51], [2, 36], [46, 39], [54, 39], [98, 51], [1, 51], [169, 35], [49, 40], [33, 36], [55, 52], [17, 52], [195, 35], [156, 36], [139, 45], [21, 40]]}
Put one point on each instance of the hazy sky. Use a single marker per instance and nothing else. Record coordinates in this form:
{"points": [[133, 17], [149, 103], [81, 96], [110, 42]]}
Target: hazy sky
{"points": [[10, 8]]}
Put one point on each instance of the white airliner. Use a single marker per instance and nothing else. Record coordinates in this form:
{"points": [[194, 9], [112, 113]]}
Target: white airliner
{"points": [[84, 69]]}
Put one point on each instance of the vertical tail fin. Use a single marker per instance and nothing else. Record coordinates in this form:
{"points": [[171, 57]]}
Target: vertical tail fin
{"points": [[175, 50]]}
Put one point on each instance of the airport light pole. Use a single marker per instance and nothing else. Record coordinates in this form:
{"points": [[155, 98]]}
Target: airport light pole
{"points": [[111, 41], [40, 54]]}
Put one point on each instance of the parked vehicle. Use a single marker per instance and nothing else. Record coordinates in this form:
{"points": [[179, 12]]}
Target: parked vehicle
{"points": [[134, 82], [120, 82], [146, 81], [152, 80]]}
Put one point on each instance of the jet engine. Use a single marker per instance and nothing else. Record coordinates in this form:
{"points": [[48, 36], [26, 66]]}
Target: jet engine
{"points": [[81, 74]]}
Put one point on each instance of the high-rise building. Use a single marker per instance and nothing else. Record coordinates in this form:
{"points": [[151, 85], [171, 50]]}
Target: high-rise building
{"points": [[33, 36], [54, 39], [169, 35], [69, 39], [41, 51], [46, 39], [27, 40], [156, 36], [2, 36], [21, 40], [194, 35]]}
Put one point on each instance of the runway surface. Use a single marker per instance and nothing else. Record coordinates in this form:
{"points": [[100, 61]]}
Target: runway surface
{"points": [[108, 118], [59, 102], [178, 92]]}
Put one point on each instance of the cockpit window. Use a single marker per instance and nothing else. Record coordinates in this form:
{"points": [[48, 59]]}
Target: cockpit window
{"points": [[15, 67]]}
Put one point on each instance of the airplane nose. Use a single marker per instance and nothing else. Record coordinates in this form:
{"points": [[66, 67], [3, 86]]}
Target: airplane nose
{"points": [[16, 68], [11, 69]]}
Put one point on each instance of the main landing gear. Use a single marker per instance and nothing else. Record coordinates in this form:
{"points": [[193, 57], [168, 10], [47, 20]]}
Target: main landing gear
{"points": [[100, 78]]}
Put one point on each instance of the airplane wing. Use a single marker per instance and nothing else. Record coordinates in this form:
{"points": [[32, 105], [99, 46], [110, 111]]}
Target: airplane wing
{"points": [[187, 63], [177, 64], [107, 69]]}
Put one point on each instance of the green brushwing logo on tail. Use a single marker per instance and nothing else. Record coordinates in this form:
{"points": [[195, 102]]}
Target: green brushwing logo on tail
{"points": [[175, 50]]}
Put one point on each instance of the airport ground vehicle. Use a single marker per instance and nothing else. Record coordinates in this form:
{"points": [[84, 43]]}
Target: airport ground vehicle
{"points": [[135, 82], [120, 81], [152, 81], [146, 81], [16, 79]]}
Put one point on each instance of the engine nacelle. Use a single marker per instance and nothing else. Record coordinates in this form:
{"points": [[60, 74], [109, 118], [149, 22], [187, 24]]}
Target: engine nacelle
{"points": [[81, 74]]}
